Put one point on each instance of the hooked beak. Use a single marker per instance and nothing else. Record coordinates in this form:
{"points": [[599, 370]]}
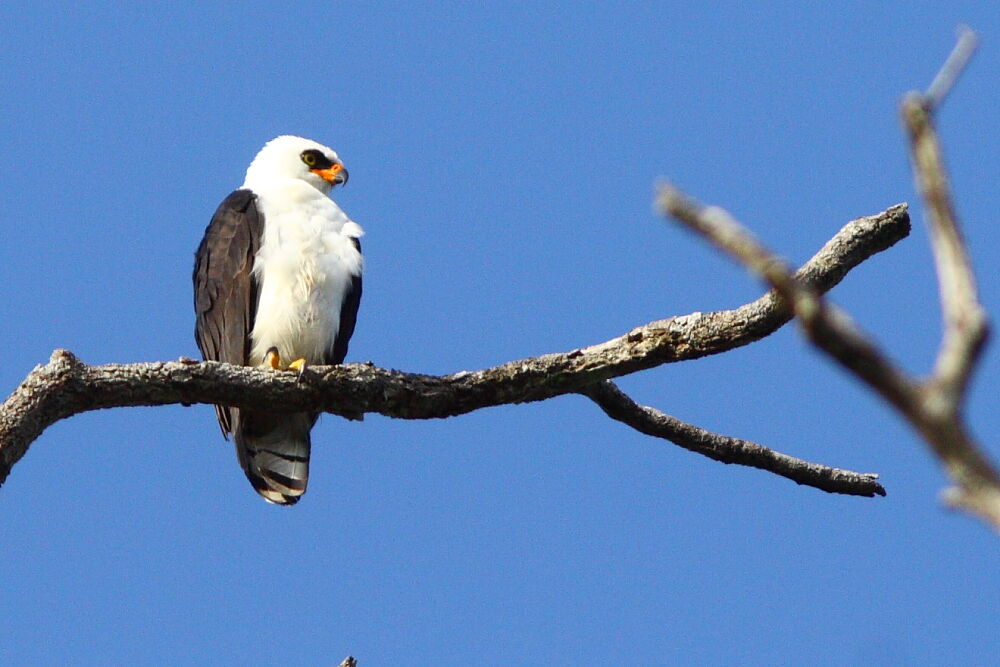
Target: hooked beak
{"points": [[335, 175]]}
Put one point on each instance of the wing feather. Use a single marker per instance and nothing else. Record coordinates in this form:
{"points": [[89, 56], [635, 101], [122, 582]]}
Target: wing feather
{"points": [[348, 318], [225, 290]]}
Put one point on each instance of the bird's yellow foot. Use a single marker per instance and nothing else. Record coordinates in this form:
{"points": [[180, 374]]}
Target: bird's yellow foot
{"points": [[300, 366], [272, 359]]}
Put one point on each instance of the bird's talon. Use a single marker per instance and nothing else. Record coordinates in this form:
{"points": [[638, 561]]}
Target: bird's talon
{"points": [[272, 358]]}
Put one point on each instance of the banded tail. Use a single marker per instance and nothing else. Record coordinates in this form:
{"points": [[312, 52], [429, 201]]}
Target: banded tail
{"points": [[273, 449]]}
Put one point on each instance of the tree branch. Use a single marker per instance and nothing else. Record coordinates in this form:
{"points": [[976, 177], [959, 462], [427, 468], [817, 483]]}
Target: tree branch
{"points": [[965, 326], [827, 326], [617, 405], [66, 386], [933, 407]]}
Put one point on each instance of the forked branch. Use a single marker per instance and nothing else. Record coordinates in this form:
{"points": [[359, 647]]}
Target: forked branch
{"points": [[933, 405]]}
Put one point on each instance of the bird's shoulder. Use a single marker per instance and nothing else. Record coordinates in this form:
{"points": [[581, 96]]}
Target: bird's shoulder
{"points": [[240, 202], [226, 251]]}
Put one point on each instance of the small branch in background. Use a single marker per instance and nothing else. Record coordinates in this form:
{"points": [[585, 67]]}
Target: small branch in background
{"points": [[952, 69], [619, 406], [932, 406], [977, 481], [965, 326]]}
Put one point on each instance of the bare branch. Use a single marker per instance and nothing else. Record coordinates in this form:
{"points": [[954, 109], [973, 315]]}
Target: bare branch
{"points": [[953, 67], [832, 330], [66, 386], [827, 326], [933, 406], [617, 405], [965, 325]]}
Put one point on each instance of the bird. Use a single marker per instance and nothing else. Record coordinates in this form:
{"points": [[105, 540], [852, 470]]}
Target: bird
{"points": [[277, 283]]}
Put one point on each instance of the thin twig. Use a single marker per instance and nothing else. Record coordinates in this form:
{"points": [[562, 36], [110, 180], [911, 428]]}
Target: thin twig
{"points": [[958, 59], [618, 405]]}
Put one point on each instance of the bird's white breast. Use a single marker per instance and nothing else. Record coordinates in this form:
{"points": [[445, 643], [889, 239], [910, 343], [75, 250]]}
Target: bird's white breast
{"points": [[304, 267]]}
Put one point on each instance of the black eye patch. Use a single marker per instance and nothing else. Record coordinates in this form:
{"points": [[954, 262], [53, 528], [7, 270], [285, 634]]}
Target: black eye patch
{"points": [[315, 159]]}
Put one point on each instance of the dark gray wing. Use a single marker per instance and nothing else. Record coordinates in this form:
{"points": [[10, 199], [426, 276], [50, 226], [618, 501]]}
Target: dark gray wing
{"points": [[348, 318], [225, 291]]}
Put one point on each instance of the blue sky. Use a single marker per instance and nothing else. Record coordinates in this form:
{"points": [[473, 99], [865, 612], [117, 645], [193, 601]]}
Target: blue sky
{"points": [[502, 160]]}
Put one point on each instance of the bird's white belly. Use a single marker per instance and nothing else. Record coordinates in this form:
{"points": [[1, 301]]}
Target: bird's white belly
{"points": [[304, 269]]}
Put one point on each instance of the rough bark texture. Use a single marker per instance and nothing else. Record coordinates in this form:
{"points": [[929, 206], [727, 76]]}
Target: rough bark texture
{"points": [[617, 405], [66, 386]]}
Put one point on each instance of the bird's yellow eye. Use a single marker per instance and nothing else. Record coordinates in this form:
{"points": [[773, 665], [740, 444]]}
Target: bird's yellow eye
{"points": [[309, 159]]}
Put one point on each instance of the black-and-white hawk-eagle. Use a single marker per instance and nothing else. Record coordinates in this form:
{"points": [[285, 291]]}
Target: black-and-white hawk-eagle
{"points": [[277, 282]]}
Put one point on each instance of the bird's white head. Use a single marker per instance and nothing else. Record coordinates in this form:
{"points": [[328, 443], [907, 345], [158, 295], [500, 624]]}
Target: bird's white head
{"points": [[290, 157]]}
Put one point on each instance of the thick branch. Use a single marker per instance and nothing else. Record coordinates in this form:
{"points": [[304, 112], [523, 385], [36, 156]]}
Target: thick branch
{"points": [[617, 405], [66, 386]]}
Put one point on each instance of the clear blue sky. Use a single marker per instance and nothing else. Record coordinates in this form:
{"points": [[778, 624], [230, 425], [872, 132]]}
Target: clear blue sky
{"points": [[502, 160]]}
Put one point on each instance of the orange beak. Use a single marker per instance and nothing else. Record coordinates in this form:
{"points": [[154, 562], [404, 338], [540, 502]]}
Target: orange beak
{"points": [[335, 174]]}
